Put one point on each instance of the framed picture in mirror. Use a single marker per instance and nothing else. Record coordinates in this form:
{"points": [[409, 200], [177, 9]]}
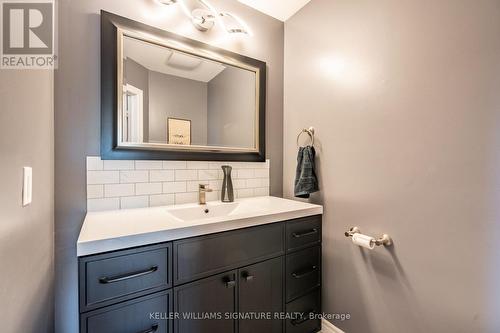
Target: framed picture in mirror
{"points": [[179, 131]]}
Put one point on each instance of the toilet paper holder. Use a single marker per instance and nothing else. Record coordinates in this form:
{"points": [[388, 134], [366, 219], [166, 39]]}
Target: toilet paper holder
{"points": [[384, 240]]}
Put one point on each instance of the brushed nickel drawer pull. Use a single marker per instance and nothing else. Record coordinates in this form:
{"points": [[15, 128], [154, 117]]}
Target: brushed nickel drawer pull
{"points": [[153, 328], [303, 319], [304, 272], [305, 233], [117, 278]]}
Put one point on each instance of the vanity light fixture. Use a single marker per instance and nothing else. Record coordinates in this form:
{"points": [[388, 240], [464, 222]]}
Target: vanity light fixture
{"points": [[233, 24], [167, 2], [204, 16]]}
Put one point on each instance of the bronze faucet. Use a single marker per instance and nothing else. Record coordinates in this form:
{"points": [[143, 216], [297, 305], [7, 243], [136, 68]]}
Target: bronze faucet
{"points": [[202, 191]]}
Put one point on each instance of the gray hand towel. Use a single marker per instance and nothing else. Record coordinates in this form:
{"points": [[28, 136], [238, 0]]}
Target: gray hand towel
{"points": [[306, 181]]}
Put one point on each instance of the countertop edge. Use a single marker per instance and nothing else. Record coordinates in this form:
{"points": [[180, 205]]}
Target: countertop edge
{"points": [[125, 242]]}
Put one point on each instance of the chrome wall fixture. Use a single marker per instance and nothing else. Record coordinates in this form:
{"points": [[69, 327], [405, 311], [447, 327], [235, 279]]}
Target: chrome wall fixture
{"points": [[310, 132], [384, 240], [204, 16]]}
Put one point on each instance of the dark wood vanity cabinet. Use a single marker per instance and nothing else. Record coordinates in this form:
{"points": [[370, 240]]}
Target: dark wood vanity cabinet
{"points": [[253, 289], [264, 279]]}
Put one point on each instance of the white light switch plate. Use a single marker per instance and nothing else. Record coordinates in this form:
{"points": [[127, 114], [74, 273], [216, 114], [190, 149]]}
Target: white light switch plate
{"points": [[27, 185]]}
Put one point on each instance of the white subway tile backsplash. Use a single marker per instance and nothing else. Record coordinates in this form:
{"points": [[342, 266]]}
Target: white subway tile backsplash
{"points": [[261, 173], [96, 205], [161, 175], [242, 165], [215, 184], [239, 183], [174, 187], [246, 173], [253, 182], [192, 186], [94, 163], [135, 184], [245, 193], [187, 197], [208, 174], [95, 191], [134, 176], [186, 175], [261, 191], [264, 165], [118, 190], [174, 165], [134, 202], [161, 200], [148, 188], [148, 165], [118, 165], [212, 196], [103, 177], [215, 165], [197, 165]]}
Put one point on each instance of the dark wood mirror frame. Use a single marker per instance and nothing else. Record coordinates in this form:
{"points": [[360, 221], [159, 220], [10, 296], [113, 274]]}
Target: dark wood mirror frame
{"points": [[110, 150]]}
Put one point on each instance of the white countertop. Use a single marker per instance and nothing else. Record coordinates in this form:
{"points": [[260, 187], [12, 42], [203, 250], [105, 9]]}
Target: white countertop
{"points": [[120, 229]]}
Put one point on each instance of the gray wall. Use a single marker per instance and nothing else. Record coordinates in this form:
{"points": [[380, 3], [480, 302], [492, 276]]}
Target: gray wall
{"points": [[26, 234], [138, 76], [77, 104], [404, 96], [231, 108], [177, 97]]}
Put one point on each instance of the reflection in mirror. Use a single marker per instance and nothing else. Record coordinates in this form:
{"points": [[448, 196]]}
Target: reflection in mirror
{"points": [[175, 98]]}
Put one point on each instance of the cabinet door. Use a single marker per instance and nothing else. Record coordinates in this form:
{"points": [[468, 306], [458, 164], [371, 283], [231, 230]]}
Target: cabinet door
{"points": [[202, 305], [261, 291]]}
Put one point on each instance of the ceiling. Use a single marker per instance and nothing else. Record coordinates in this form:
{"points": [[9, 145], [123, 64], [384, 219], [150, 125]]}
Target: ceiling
{"points": [[280, 9], [167, 61]]}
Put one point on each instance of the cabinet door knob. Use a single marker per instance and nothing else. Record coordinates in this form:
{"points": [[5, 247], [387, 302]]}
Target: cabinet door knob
{"points": [[230, 284], [248, 277], [153, 329]]}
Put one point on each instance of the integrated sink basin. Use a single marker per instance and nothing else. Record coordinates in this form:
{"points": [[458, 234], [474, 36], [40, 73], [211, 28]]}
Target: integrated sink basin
{"points": [[121, 229], [199, 212]]}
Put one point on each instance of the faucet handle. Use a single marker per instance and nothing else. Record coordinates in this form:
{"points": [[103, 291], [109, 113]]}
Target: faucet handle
{"points": [[205, 187]]}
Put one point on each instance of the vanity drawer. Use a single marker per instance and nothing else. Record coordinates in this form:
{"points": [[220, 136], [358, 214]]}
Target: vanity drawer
{"points": [[110, 278], [303, 232], [146, 314], [198, 257], [310, 303], [303, 272]]}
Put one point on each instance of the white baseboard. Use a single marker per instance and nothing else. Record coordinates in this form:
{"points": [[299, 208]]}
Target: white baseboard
{"points": [[327, 327]]}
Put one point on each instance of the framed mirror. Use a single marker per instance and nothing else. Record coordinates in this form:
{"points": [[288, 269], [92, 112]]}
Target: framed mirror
{"points": [[164, 96]]}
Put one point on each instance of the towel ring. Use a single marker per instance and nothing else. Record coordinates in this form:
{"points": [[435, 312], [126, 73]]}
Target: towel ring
{"points": [[310, 132]]}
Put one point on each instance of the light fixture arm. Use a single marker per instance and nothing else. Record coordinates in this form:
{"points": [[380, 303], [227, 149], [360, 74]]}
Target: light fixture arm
{"points": [[205, 16]]}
